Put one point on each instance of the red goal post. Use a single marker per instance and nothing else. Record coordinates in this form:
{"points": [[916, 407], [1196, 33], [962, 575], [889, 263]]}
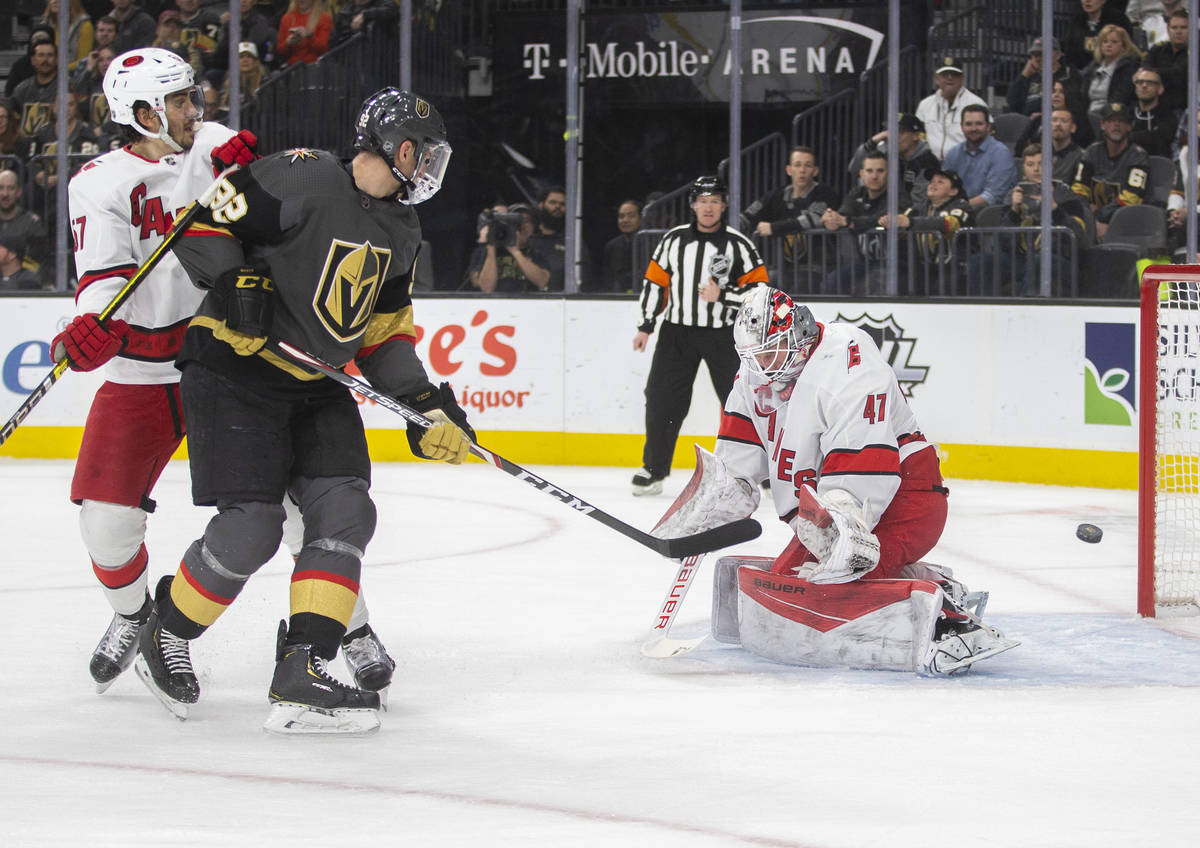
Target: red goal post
{"points": [[1169, 442]]}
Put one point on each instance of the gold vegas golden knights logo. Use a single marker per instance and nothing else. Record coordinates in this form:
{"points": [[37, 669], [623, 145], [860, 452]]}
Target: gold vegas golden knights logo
{"points": [[350, 284], [422, 108]]}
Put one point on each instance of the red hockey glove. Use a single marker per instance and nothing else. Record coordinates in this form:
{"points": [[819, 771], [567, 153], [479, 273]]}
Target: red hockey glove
{"points": [[87, 344], [239, 150]]}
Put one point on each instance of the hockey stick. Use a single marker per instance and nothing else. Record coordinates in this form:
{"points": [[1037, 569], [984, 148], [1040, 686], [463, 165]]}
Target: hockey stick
{"points": [[684, 546], [660, 645], [60, 367]]}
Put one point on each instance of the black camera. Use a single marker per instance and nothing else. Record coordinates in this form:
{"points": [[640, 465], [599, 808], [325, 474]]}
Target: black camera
{"points": [[502, 227]]}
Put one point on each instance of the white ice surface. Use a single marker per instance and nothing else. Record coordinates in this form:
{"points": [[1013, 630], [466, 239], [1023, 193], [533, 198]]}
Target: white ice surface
{"points": [[524, 714]]}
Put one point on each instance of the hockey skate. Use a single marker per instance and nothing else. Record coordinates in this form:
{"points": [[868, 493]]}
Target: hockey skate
{"points": [[367, 659], [961, 645], [645, 483], [117, 647], [306, 699], [164, 662]]}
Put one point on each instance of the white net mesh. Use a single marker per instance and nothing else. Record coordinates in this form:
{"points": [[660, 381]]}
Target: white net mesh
{"points": [[1177, 454]]}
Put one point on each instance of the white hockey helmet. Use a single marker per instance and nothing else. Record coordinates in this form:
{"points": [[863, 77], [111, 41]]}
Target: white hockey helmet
{"points": [[148, 75], [773, 335]]}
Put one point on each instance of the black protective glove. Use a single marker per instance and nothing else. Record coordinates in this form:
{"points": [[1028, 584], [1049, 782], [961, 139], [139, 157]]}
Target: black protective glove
{"points": [[449, 439], [249, 307]]}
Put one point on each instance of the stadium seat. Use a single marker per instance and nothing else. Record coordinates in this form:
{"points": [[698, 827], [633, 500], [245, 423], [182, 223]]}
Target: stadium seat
{"points": [[1008, 127], [1143, 226], [1162, 177], [1108, 270]]}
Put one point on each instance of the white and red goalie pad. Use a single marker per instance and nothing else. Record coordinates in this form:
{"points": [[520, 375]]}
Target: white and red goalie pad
{"points": [[870, 624]]}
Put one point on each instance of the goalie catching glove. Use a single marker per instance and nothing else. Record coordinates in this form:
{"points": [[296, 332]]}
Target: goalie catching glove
{"points": [[249, 307], [449, 437], [834, 529], [87, 344]]}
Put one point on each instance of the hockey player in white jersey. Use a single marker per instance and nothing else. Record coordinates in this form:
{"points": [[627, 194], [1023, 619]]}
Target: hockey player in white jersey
{"points": [[817, 411], [122, 205]]}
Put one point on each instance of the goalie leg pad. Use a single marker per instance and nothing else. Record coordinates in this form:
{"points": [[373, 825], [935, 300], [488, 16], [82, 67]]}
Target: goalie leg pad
{"points": [[725, 625], [869, 624], [712, 497]]}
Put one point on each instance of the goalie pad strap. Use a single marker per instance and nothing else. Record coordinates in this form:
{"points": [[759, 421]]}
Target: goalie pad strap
{"points": [[869, 624]]}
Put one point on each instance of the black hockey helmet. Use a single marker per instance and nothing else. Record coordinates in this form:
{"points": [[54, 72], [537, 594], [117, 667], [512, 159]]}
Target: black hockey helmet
{"points": [[708, 185], [390, 117]]}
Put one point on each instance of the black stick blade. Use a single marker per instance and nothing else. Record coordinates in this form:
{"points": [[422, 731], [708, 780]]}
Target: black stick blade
{"points": [[733, 533]]}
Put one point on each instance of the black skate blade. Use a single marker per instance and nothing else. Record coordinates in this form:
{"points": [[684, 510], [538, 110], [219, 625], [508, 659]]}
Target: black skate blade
{"points": [[175, 708], [287, 718]]}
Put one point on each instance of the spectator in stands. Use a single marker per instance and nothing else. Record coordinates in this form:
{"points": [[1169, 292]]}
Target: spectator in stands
{"points": [[10, 128], [1082, 36], [34, 97], [200, 31], [1065, 153], [1170, 60], [549, 234], [941, 112], [14, 276], [251, 74], [1025, 92], [617, 261], [362, 16], [1177, 202], [212, 103], [1114, 171], [255, 28], [82, 141], [1154, 123], [786, 212], [916, 159], [90, 87], [135, 28], [1149, 16], [304, 31], [1109, 78], [1073, 105], [106, 36], [512, 268], [985, 164], [169, 33], [1015, 263], [16, 220], [859, 215], [940, 214], [79, 30], [22, 69]]}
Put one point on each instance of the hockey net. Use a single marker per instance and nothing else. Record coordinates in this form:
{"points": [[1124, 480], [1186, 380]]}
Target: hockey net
{"points": [[1169, 442]]}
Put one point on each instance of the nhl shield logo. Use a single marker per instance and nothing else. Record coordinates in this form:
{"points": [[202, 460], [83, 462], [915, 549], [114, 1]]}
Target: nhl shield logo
{"points": [[350, 284], [896, 347]]}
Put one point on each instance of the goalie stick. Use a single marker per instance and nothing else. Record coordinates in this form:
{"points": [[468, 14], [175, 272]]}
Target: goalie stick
{"points": [[678, 548], [60, 367], [660, 645]]}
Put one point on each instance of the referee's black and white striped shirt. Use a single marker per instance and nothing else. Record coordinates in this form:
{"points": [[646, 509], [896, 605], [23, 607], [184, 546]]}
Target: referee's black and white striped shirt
{"points": [[679, 267]]}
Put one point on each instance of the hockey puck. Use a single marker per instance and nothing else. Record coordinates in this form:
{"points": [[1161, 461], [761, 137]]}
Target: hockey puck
{"points": [[1089, 533]]}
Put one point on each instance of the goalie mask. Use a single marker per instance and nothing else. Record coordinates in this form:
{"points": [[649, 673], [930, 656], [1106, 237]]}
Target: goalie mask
{"points": [[390, 117], [149, 75], [773, 335]]}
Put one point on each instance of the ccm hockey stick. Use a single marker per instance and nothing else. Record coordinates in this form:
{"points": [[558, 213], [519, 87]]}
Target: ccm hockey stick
{"points": [[60, 367], [684, 546], [660, 645]]}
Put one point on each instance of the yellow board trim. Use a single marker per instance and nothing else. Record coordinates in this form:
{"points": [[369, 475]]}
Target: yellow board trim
{"points": [[1053, 466]]}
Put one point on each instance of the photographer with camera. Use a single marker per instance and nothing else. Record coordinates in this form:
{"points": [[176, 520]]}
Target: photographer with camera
{"points": [[504, 261]]}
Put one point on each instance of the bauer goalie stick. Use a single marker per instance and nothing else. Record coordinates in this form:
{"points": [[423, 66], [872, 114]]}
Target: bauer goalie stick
{"points": [[60, 367], [660, 645], [678, 548]]}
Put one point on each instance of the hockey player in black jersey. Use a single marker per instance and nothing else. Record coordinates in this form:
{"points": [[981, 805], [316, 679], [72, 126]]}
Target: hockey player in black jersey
{"points": [[319, 253]]}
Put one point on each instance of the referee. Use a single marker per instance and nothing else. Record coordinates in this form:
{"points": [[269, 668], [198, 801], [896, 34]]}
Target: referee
{"points": [[695, 280]]}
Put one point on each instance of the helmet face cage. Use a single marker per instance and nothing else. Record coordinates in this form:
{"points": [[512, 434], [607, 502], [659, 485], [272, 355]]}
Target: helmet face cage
{"points": [[389, 118], [148, 75], [774, 337]]}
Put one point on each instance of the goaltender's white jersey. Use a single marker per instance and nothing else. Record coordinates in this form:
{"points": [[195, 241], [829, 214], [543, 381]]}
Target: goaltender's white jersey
{"points": [[845, 425], [122, 206]]}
